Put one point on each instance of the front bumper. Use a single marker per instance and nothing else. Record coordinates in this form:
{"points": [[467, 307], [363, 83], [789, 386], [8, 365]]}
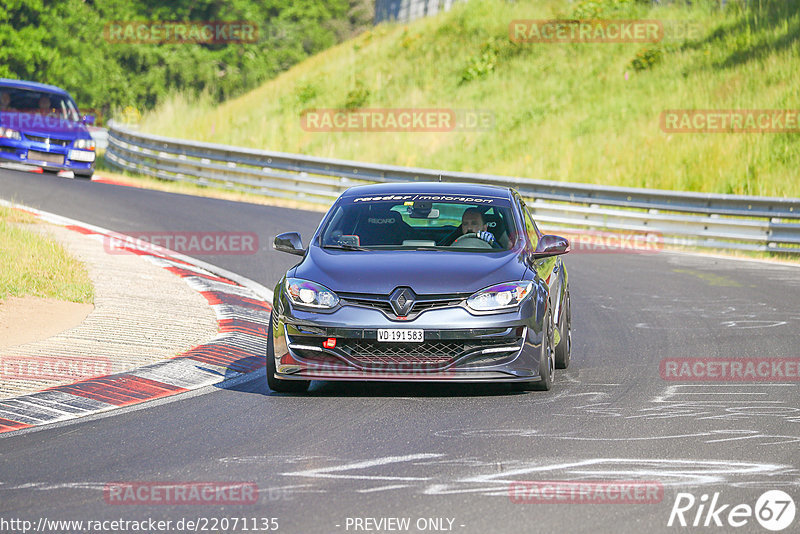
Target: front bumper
{"points": [[458, 346], [46, 156]]}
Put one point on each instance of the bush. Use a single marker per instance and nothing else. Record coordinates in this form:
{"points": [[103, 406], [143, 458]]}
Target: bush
{"points": [[357, 97], [646, 58], [483, 63]]}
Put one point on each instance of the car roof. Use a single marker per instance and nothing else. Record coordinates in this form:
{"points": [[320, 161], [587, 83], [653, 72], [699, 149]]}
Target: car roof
{"points": [[429, 188], [33, 86]]}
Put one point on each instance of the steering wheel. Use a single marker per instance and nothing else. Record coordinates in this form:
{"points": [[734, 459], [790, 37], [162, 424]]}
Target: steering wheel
{"points": [[470, 240]]}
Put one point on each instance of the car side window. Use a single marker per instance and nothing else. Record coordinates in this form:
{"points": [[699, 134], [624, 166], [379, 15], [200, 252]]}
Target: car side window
{"points": [[530, 227]]}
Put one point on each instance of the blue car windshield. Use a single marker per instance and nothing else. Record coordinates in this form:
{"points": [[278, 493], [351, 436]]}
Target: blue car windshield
{"points": [[414, 222], [56, 105]]}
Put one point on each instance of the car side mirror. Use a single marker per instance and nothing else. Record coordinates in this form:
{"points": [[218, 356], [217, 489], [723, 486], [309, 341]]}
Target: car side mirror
{"points": [[88, 119], [289, 242], [551, 245]]}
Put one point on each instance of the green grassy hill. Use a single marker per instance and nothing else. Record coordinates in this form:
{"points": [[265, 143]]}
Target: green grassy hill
{"points": [[574, 112]]}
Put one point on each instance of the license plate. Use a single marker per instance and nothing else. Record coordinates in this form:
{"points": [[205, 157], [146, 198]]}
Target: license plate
{"points": [[47, 157], [401, 335]]}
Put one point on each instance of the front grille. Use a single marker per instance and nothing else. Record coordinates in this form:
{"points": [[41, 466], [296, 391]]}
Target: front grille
{"points": [[428, 354], [55, 142], [372, 354], [422, 303]]}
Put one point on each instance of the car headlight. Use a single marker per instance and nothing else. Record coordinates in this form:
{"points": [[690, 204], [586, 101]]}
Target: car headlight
{"points": [[312, 294], [8, 133], [500, 296], [85, 144]]}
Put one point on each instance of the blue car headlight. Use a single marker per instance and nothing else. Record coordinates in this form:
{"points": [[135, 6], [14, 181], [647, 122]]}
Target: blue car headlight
{"points": [[8, 133], [503, 296], [311, 294], [85, 144]]}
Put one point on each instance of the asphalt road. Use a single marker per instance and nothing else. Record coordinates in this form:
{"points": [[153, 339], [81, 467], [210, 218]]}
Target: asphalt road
{"points": [[348, 452]]}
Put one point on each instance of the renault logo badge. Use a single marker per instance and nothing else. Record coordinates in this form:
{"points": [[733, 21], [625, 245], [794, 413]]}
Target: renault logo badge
{"points": [[402, 300]]}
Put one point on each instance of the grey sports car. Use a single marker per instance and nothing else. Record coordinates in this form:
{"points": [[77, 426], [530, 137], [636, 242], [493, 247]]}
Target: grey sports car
{"points": [[422, 282]]}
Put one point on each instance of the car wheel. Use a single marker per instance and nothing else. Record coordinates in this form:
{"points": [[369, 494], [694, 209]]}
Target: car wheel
{"points": [[546, 360], [85, 176], [275, 384], [564, 347]]}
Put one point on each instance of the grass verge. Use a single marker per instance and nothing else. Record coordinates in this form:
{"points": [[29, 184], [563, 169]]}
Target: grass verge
{"points": [[35, 265]]}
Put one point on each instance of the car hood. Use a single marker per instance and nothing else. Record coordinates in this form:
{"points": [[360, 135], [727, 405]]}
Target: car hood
{"points": [[424, 271]]}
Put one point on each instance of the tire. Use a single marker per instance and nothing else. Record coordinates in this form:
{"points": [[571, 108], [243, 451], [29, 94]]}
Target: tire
{"points": [[275, 384], [547, 371], [85, 176], [564, 347]]}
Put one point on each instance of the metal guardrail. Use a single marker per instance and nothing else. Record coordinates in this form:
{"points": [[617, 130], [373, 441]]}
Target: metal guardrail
{"points": [[694, 219]]}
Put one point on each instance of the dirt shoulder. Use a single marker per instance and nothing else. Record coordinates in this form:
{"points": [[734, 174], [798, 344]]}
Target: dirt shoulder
{"points": [[28, 319]]}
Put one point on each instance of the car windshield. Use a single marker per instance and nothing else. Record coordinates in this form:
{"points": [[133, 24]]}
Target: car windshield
{"points": [[414, 222], [38, 102]]}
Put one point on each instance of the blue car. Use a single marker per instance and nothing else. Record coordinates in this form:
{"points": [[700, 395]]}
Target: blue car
{"points": [[40, 125], [434, 282]]}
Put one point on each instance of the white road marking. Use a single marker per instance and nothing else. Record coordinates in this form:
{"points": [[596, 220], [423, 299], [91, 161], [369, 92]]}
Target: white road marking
{"points": [[668, 472], [382, 488], [327, 472]]}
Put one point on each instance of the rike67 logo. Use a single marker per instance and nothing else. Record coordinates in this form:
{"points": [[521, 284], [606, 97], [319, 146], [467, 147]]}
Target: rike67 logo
{"points": [[774, 510]]}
